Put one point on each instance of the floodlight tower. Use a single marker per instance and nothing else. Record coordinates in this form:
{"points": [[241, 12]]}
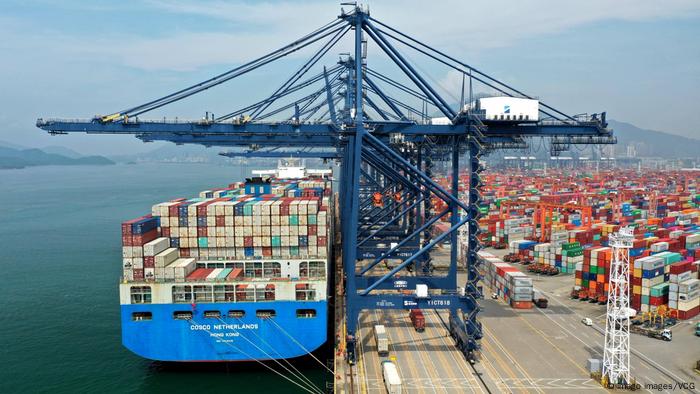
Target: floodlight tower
{"points": [[616, 357]]}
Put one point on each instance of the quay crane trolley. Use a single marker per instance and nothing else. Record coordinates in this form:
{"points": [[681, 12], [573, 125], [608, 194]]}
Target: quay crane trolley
{"points": [[376, 126]]}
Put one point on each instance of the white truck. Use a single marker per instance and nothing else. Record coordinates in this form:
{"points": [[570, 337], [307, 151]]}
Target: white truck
{"points": [[392, 380], [382, 340]]}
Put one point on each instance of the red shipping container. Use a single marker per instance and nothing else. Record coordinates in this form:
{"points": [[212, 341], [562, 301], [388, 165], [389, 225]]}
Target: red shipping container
{"points": [[151, 235], [521, 304], [139, 240], [126, 240], [201, 231], [184, 252], [321, 241], [165, 231], [126, 228], [149, 262], [235, 274], [174, 210], [138, 273], [685, 315], [199, 273], [680, 267]]}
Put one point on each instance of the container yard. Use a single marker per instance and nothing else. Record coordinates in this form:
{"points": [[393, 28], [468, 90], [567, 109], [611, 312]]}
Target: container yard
{"points": [[425, 266], [554, 238]]}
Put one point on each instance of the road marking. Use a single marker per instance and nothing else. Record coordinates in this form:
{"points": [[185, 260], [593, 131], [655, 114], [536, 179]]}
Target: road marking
{"points": [[493, 372], [641, 356], [452, 349], [544, 336], [409, 355], [496, 355], [573, 335], [364, 383], [512, 359], [555, 383], [448, 385], [421, 354]]}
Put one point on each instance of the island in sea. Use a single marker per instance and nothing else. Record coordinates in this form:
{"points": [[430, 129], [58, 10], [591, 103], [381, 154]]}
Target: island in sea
{"points": [[13, 158]]}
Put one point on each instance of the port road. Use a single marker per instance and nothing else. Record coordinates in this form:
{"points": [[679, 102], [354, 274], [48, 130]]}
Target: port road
{"points": [[653, 362], [523, 351], [428, 362]]}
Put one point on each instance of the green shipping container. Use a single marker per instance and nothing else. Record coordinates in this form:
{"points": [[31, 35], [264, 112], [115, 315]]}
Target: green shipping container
{"points": [[223, 274], [569, 246], [659, 290]]}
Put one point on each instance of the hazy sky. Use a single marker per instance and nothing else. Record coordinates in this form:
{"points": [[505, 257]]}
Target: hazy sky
{"points": [[639, 60]]}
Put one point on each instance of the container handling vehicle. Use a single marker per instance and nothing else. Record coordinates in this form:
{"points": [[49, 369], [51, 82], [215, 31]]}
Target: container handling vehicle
{"points": [[417, 319]]}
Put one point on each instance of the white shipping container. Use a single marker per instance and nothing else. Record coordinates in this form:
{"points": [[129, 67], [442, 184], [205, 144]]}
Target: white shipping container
{"points": [[689, 286], [163, 259], [392, 380], [688, 296], [381, 339], [214, 274], [180, 268], [137, 262], [128, 274], [156, 246]]}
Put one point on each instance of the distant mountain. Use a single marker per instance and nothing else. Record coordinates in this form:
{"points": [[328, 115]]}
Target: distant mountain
{"points": [[20, 158], [171, 153], [651, 143], [62, 150], [11, 145]]}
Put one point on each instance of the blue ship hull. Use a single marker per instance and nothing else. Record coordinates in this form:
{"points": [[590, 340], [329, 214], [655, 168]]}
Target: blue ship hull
{"points": [[227, 338]]}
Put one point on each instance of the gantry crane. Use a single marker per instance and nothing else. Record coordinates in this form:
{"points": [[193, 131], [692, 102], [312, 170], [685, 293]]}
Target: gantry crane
{"points": [[543, 213], [376, 125]]}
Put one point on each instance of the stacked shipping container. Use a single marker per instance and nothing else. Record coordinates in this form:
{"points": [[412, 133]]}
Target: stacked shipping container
{"points": [[289, 221], [507, 281]]}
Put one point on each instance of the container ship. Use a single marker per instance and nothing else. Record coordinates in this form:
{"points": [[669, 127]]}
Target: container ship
{"points": [[238, 273]]}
